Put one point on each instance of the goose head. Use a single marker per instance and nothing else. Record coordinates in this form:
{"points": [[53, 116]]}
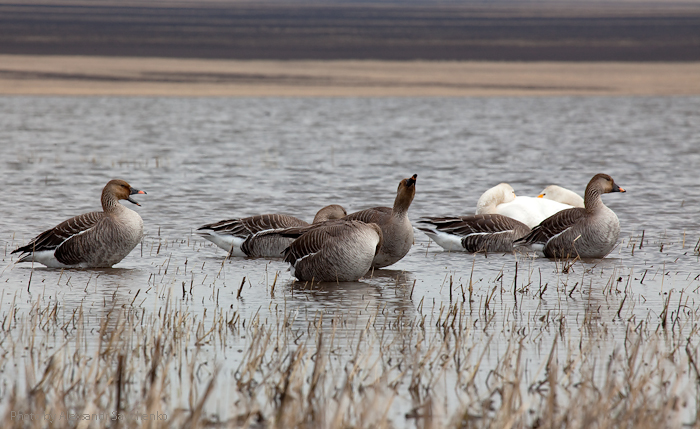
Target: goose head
{"points": [[604, 184], [599, 184], [331, 212], [405, 193], [116, 190]]}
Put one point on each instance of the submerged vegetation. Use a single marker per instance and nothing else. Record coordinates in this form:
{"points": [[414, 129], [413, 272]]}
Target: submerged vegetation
{"points": [[518, 347]]}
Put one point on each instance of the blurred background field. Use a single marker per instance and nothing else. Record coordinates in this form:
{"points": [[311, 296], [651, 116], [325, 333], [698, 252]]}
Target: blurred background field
{"points": [[624, 30], [341, 48]]}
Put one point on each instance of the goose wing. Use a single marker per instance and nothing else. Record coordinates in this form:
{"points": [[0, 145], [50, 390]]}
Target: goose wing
{"points": [[243, 227], [53, 238], [475, 224], [552, 226], [476, 233]]}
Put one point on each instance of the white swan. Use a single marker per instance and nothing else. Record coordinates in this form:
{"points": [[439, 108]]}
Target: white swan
{"points": [[561, 195], [531, 211]]}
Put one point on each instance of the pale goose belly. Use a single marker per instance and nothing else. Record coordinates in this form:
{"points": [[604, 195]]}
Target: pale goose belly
{"points": [[48, 258], [449, 242], [253, 246], [228, 242]]}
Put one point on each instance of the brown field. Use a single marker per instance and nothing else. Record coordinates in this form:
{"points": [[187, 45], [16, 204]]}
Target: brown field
{"points": [[338, 48], [537, 30], [91, 75]]}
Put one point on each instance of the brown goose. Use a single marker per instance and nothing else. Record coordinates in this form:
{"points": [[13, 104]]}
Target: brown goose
{"points": [[396, 228], [240, 237], [90, 240], [477, 233], [589, 232], [336, 250]]}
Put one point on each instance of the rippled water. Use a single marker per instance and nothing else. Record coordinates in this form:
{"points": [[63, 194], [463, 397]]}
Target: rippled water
{"points": [[206, 159]]}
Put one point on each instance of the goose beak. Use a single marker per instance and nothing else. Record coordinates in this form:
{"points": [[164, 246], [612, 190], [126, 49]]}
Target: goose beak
{"points": [[412, 180], [540, 196], [134, 192], [617, 188]]}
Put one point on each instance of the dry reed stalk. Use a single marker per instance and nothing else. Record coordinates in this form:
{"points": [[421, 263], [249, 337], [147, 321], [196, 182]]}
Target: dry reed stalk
{"points": [[384, 369]]}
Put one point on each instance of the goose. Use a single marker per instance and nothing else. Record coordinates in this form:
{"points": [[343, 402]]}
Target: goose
{"points": [[90, 240], [561, 195], [589, 232], [531, 211], [396, 228], [477, 233], [240, 237], [336, 250]]}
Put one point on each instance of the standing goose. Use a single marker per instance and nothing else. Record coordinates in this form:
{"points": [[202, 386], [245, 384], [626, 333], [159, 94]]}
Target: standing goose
{"points": [[561, 195], [531, 211], [240, 237], [333, 251], [477, 233], [589, 232], [396, 228], [90, 240]]}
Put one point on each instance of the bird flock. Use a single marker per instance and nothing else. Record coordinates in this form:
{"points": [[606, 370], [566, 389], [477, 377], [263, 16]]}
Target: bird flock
{"points": [[340, 247]]}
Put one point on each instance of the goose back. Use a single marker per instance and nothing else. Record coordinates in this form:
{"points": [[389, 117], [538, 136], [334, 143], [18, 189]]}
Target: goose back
{"points": [[340, 250], [243, 236]]}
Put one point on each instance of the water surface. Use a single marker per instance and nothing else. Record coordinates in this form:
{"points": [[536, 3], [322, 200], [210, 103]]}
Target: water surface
{"points": [[206, 159]]}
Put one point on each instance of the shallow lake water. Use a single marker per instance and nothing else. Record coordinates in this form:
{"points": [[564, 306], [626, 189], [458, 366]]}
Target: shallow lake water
{"points": [[206, 159]]}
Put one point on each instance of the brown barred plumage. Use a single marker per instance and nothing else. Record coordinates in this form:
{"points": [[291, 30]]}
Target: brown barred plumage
{"points": [[476, 233]]}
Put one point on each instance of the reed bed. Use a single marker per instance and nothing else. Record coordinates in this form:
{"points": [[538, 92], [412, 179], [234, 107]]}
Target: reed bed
{"points": [[575, 344], [452, 365]]}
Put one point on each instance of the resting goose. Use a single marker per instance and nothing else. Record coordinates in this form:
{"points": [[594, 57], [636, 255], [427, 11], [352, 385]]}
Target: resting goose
{"points": [[561, 195], [589, 232], [336, 250], [531, 211], [240, 237], [396, 228], [477, 233], [90, 240]]}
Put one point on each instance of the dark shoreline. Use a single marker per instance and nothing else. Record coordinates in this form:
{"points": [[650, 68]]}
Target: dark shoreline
{"points": [[531, 32]]}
